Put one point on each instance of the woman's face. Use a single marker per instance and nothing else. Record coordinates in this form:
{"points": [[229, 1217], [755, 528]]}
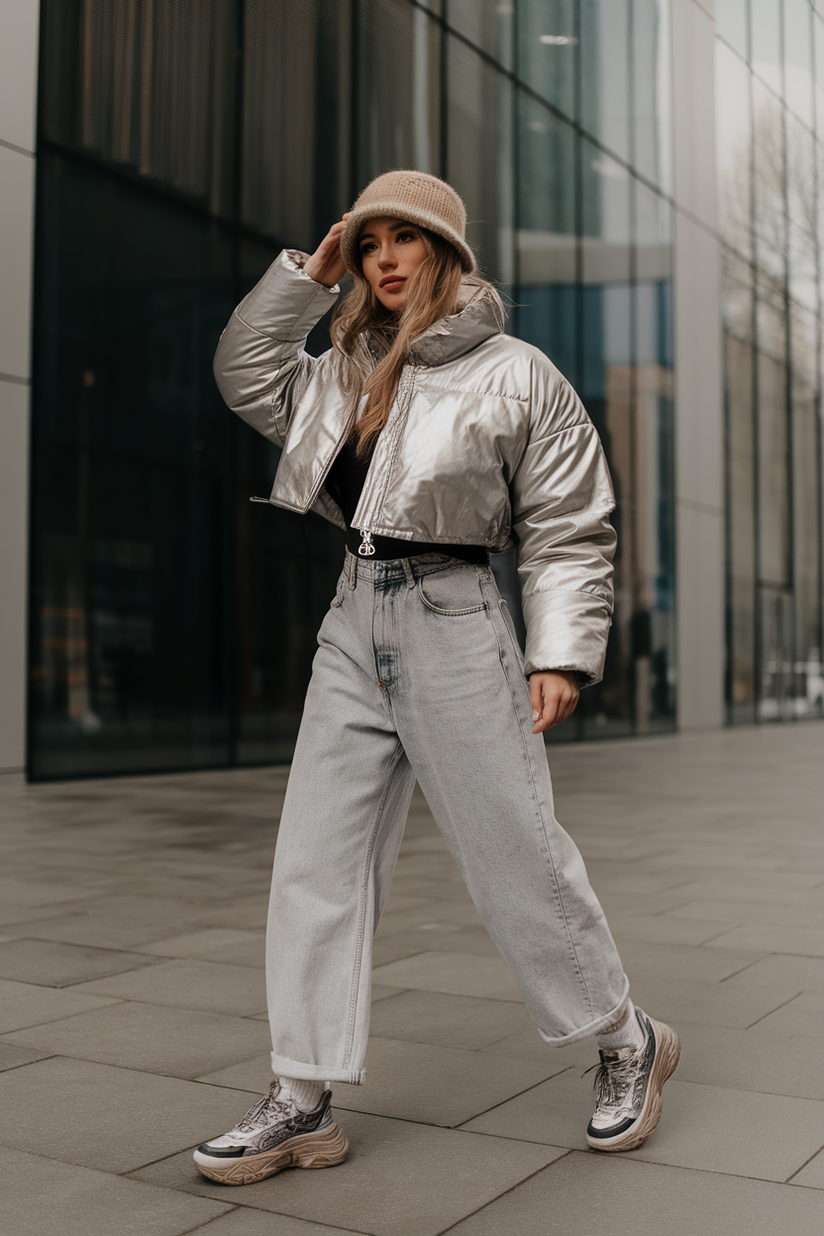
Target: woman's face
{"points": [[391, 251]]}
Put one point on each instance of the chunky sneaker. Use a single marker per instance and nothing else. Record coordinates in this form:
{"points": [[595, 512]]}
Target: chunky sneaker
{"points": [[628, 1088], [272, 1135]]}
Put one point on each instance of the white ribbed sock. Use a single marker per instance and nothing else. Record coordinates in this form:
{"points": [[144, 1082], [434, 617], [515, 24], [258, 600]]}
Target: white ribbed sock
{"points": [[304, 1094], [624, 1032]]}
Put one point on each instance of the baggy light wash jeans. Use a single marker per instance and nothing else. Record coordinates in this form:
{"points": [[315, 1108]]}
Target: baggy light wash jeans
{"points": [[419, 675]]}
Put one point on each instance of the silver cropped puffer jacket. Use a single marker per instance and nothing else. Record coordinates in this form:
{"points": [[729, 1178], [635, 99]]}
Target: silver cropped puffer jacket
{"points": [[487, 444]]}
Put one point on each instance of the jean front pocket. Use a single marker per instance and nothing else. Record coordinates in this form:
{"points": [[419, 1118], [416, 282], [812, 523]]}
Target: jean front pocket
{"points": [[452, 592]]}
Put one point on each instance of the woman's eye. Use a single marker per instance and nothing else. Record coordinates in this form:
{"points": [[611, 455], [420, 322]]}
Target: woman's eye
{"points": [[406, 236]]}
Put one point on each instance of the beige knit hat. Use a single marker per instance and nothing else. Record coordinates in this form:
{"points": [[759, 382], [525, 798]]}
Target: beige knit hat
{"points": [[413, 196]]}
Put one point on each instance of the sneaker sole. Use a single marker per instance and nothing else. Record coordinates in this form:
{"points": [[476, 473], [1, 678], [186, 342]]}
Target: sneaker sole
{"points": [[325, 1148], [666, 1060]]}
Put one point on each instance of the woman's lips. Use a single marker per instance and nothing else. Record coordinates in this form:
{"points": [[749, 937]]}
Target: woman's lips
{"points": [[392, 284]]}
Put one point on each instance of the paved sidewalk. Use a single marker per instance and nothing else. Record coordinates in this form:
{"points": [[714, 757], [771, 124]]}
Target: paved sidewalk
{"points": [[132, 1020]]}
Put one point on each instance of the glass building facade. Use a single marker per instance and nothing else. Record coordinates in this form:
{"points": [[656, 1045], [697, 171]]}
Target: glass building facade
{"points": [[180, 147], [770, 141]]}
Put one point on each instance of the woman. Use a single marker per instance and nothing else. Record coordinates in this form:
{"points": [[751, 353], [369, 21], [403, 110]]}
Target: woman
{"points": [[433, 438]]}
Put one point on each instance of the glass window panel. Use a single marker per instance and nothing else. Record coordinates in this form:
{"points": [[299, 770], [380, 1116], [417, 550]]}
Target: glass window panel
{"points": [[604, 59], [651, 91], [768, 183], [741, 624], [731, 24], [480, 156], [548, 50], [798, 59], [405, 134], [733, 136], [802, 246], [806, 497], [765, 34], [545, 310], [489, 24], [818, 47], [773, 458]]}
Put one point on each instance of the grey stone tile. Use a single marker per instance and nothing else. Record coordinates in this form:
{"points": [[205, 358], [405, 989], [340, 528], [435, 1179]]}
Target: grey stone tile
{"points": [[51, 964], [382, 991], [114, 1119], [42, 1196], [811, 1175], [664, 929], [555, 1112], [802, 912], [460, 974], [25, 1004], [12, 1057], [213, 944], [644, 1199], [84, 926], [803, 1016], [438, 1085], [646, 960], [781, 972], [175, 1042], [245, 1222], [718, 1129], [190, 984], [254, 1074], [448, 1021], [400, 1179], [39, 893], [14, 914], [769, 938], [757, 1060]]}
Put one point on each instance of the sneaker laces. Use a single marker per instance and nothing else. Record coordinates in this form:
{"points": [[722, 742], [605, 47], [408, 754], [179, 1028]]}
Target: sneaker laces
{"points": [[267, 1111], [615, 1079]]}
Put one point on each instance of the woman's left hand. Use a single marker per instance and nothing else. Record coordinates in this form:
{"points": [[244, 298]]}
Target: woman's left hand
{"points": [[554, 695]]}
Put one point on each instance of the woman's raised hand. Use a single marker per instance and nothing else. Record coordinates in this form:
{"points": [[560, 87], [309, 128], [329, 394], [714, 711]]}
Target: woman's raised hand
{"points": [[326, 264]]}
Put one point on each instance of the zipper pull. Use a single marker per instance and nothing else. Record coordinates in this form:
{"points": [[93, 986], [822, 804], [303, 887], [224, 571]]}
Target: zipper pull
{"points": [[366, 549]]}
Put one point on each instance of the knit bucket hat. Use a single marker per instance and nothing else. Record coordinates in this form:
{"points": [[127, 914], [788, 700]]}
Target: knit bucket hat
{"points": [[415, 197]]}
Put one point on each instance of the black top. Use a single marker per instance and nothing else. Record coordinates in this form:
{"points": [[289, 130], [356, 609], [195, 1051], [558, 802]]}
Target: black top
{"points": [[344, 483]]}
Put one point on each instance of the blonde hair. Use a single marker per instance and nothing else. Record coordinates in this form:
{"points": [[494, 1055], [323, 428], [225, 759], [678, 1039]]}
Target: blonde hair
{"points": [[372, 343]]}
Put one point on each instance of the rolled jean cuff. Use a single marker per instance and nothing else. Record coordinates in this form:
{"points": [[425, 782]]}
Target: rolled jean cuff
{"points": [[283, 1067], [592, 1027]]}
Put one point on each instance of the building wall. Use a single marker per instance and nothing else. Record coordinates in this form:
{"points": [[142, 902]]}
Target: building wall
{"points": [[172, 625], [699, 446], [18, 92]]}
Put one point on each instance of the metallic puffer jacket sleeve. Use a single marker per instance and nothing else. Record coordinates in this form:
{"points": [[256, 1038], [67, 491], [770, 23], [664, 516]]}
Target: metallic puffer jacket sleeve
{"points": [[561, 498], [260, 366]]}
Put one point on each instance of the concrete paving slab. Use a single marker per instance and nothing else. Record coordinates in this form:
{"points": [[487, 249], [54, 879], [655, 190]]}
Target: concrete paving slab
{"points": [[460, 974], [400, 1179], [175, 1042], [246, 1222], [86, 926], [642, 1199], [756, 1059], [769, 938], [12, 1057], [25, 1004], [664, 929], [802, 1016], [50, 964], [39, 893], [811, 1175], [449, 1021], [112, 1119], [42, 1196], [805, 911], [644, 960], [805, 973], [189, 984], [213, 944], [707, 1128]]}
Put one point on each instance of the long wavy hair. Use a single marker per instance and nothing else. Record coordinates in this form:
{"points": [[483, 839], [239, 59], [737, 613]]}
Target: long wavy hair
{"points": [[372, 343]]}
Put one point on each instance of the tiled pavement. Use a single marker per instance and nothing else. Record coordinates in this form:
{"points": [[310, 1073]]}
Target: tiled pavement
{"points": [[132, 1020]]}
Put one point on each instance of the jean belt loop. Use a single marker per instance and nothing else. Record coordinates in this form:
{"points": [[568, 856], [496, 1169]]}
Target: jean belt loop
{"points": [[408, 572], [351, 571]]}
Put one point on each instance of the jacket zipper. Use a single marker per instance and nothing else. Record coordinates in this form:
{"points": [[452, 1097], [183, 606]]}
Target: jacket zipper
{"points": [[366, 548]]}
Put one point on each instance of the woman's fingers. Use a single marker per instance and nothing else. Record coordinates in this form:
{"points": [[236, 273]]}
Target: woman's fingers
{"points": [[553, 696]]}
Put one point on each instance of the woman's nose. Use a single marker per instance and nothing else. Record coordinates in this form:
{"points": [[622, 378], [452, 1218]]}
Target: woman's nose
{"points": [[386, 257]]}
